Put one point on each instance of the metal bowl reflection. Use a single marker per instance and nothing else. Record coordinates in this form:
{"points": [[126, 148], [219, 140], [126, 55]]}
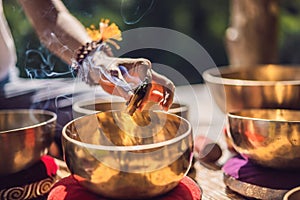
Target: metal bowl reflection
{"points": [[25, 136], [269, 137], [123, 157], [87, 107], [265, 86]]}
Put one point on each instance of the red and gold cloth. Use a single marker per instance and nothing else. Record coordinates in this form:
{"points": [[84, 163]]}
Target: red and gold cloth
{"points": [[69, 189], [32, 183]]}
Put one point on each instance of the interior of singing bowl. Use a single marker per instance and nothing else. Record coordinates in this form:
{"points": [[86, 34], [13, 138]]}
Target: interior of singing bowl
{"points": [[268, 115], [15, 120], [293, 194], [270, 137], [86, 107], [263, 86], [25, 136], [263, 73], [119, 156]]}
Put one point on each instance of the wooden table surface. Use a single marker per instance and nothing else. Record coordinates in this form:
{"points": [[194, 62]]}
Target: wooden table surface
{"points": [[212, 185]]}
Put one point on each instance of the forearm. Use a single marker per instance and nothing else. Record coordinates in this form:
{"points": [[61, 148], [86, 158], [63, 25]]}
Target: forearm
{"points": [[56, 28]]}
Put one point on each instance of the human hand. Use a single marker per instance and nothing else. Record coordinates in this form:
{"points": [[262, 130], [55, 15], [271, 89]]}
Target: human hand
{"points": [[121, 76], [161, 92], [135, 72]]}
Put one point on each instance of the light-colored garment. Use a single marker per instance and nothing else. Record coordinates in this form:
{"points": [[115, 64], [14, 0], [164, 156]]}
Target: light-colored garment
{"points": [[8, 56]]}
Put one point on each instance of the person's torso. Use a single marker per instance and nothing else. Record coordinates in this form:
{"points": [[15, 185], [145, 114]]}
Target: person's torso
{"points": [[7, 48]]}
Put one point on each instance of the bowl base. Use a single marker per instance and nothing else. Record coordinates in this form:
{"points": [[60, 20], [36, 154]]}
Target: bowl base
{"points": [[254, 181]]}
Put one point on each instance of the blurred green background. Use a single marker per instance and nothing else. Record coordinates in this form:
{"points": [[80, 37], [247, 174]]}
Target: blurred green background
{"points": [[204, 21]]}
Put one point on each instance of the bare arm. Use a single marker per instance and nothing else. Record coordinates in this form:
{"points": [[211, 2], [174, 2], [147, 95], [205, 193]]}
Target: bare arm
{"points": [[63, 34], [56, 28]]}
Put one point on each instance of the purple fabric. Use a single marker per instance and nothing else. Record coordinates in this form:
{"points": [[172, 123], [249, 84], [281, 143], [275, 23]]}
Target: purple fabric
{"points": [[246, 171], [232, 166]]}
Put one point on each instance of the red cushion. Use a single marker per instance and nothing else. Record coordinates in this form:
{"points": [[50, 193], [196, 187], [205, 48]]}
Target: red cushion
{"points": [[69, 189]]}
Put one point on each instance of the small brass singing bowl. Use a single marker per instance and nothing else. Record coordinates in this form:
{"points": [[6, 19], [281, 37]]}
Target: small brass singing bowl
{"points": [[122, 157], [269, 137], [293, 194], [87, 107], [245, 87], [25, 136]]}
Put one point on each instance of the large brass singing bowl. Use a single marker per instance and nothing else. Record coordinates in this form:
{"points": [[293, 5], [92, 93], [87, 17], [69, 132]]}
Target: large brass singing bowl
{"points": [[86, 107], [123, 157], [25, 135], [265, 86], [269, 137]]}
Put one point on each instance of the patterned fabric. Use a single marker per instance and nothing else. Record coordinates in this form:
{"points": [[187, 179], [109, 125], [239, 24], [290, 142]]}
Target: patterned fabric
{"points": [[31, 183], [29, 191]]}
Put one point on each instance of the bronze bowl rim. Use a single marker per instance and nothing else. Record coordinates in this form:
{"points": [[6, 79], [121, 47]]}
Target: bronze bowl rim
{"points": [[78, 105], [236, 115], [211, 75], [27, 111], [291, 192], [126, 148]]}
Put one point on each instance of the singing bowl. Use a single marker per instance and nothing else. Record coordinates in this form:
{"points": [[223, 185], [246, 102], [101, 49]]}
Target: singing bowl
{"points": [[265, 86], [25, 136], [86, 107], [293, 194], [122, 157], [269, 137]]}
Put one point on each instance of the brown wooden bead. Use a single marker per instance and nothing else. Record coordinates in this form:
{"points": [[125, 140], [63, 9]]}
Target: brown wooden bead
{"points": [[206, 150]]}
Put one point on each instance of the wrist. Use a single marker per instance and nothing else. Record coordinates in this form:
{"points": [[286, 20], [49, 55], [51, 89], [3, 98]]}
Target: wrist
{"points": [[106, 33]]}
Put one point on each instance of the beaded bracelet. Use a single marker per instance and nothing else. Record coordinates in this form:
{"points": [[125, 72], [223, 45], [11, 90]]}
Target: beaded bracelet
{"points": [[106, 32]]}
